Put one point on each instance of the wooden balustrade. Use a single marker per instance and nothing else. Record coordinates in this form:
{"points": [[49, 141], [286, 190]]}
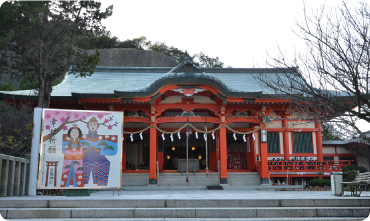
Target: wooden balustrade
{"points": [[307, 166]]}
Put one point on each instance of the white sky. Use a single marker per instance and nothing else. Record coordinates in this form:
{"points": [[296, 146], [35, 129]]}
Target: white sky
{"points": [[239, 32]]}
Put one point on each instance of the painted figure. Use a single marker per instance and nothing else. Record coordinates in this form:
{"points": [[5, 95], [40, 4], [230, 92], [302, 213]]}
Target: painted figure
{"points": [[95, 147], [72, 172], [93, 126]]}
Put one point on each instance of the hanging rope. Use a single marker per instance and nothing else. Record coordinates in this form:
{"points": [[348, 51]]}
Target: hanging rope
{"points": [[200, 131]]}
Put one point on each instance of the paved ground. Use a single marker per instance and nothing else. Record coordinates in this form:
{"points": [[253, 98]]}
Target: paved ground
{"points": [[200, 194]]}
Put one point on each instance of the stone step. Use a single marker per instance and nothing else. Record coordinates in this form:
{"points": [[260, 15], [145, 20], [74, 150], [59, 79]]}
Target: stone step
{"points": [[206, 219], [234, 179], [197, 179], [167, 187], [204, 187], [179, 203], [214, 212]]}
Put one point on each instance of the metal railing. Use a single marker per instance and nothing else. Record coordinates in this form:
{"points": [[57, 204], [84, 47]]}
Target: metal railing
{"points": [[14, 172]]}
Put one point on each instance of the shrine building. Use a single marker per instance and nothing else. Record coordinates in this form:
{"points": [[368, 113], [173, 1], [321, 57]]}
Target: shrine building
{"points": [[255, 131]]}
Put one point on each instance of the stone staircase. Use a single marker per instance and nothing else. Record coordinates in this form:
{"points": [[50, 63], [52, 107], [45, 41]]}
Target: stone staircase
{"points": [[196, 181], [243, 179], [187, 209]]}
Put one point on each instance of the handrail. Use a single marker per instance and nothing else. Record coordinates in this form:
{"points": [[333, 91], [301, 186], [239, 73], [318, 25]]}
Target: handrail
{"points": [[258, 167], [307, 166]]}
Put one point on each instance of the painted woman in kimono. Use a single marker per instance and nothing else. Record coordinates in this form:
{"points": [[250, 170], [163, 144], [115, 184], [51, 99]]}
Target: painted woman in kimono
{"points": [[72, 173]]}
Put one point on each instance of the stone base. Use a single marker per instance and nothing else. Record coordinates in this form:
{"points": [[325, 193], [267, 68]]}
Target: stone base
{"points": [[265, 181], [152, 181], [223, 180], [82, 192]]}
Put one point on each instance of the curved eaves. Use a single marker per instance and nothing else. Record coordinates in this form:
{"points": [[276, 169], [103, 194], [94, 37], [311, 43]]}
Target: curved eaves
{"points": [[185, 78]]}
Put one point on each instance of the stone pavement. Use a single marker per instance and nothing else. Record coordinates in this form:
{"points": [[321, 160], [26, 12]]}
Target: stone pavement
{"points": [[142, 204], [198, 194]]}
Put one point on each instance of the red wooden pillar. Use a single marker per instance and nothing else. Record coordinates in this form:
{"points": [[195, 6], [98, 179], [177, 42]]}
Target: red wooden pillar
{"points": [[218, 144], [286, 139], [265, 177], [223, 155], [153, 155], [318, 142]]}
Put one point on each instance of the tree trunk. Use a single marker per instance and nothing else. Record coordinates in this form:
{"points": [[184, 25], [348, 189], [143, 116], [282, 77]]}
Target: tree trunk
{"points": [[45, 89]]}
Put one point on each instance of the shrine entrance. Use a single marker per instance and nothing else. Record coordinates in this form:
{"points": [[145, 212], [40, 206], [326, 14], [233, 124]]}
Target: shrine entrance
{"points": [[136, 153], [176, 149]]}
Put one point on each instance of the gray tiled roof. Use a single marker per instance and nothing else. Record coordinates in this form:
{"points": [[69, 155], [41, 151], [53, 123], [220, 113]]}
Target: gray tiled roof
{"points": [[333, 142], [106, 80]]}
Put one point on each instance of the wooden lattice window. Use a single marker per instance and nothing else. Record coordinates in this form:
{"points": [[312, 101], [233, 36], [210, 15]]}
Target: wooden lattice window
{"points": [[273, 143], [302, 143]]}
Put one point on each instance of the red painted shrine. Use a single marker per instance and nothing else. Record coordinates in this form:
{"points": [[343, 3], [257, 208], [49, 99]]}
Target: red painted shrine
{"points": [[229, 97]]}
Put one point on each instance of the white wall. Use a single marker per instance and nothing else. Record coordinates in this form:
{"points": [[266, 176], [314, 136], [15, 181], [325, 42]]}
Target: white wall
{"points": [[326, 150]]}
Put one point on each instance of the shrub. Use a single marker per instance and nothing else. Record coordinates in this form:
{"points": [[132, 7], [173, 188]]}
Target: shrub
{"points": [[351, 171], [319, 182], [15, 129]]}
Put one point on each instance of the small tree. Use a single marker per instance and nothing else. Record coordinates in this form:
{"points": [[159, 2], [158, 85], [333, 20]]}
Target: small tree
{"points": [[329, 132], [42, 38], [332, 83]]}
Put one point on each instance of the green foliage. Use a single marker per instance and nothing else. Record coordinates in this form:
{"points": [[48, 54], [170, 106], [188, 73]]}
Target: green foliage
{"points": [[80, 168], [319, 182], [30, 81], [351, 171], [67, 167], [207, 62], [137, 43], [329, 132], [7, 24], [102, 39], [170, 51], [15, 129], [141, 43], [6, 87], [48, 33], [76, 162]]}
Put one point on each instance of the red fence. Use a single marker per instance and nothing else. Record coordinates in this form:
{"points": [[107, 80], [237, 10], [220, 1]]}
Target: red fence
{"points": [[307, 166]]}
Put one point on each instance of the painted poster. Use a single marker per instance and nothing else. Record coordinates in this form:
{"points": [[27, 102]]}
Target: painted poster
{"points": [[80, 149]]}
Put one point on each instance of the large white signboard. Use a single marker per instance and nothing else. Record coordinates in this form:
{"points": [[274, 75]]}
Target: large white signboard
{"points": [[80, 149]]}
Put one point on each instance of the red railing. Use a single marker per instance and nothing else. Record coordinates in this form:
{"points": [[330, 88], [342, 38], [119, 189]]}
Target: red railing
{"points": [[258, 167], [307, 166]]}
